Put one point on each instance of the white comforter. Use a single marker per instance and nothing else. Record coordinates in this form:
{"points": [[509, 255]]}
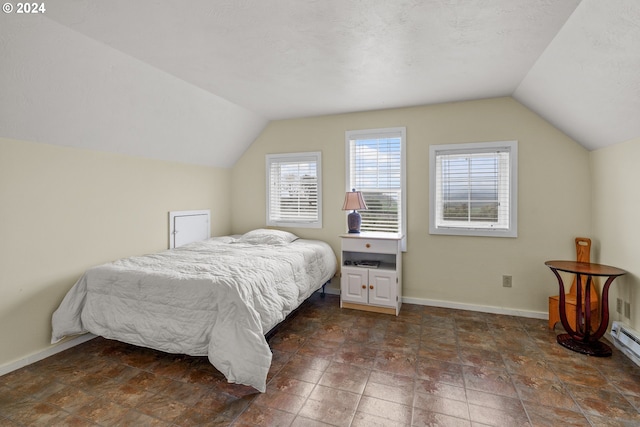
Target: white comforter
{"points": [[217, 298]]}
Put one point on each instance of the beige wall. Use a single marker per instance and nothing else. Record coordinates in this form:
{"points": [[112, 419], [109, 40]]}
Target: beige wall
{"points": [[616, 204], [65, 209], [554, 198]]}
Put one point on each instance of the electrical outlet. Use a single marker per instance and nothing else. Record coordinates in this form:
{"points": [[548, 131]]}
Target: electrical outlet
{"points": [[506, 281], [619, 305], [627, 310]]}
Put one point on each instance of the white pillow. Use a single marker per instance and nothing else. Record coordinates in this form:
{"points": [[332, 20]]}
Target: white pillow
{"points": [[263, 236]]}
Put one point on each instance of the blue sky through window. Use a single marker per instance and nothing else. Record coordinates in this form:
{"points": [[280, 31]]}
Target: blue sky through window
{"points": [[377, 162]]}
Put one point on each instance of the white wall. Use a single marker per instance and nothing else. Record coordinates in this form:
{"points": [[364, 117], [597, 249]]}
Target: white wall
{"points": [[61, 87], [554, 198], [616, 204], [64, 210]]}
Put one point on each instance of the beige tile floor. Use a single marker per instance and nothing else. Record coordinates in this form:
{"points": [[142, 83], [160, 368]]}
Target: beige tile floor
{"points": [[332, 367]]}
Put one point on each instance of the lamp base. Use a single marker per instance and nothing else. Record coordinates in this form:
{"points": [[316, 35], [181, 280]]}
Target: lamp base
{"points": [[354, 220]]}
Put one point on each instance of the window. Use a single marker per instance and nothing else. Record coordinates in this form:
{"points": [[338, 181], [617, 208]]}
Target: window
{"points": [[473, 189], [376, 167], [294, 190]]}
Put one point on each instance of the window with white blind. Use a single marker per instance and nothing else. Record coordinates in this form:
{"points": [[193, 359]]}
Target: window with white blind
{"points": [[376, 162], [473, 189], [294, 190]]}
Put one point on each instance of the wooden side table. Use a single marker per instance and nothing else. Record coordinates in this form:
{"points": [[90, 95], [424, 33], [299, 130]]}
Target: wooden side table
{"points": [[582, 339]]}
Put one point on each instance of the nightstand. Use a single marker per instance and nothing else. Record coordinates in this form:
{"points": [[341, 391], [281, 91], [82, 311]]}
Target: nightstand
{"points": [[371, 272]]}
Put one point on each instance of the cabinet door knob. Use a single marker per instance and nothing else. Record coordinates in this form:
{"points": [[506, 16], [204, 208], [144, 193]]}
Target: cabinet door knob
{"points": [[364, 286], [368, 245], [370, 286]]}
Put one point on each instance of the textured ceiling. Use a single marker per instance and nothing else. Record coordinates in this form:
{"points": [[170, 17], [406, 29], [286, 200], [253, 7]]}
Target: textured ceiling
{"points": [[574, 63], [299, 58]]}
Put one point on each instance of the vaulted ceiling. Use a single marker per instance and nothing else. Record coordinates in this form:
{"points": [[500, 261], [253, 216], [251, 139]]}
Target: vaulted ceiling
{"points": [[576, 63]]}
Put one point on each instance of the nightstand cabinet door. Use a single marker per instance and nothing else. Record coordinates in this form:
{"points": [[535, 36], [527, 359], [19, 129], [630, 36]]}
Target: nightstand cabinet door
{"points": [[354, 285], [382, 288]]}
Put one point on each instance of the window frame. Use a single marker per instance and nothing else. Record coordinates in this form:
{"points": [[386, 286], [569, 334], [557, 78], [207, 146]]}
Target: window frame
{"points": [[302, 157], [392, 132], [475, 148]]}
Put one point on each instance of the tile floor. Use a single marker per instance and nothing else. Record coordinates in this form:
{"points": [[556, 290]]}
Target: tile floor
{"points": [[427, 367]]}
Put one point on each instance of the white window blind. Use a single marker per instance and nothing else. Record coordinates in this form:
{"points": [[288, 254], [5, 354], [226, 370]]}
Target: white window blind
{"points": [[473, 188], [375, 167], [294, 190]]}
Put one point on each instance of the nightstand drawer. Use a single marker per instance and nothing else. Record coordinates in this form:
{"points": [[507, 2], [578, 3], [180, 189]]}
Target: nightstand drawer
{"points": [[374, 246]]}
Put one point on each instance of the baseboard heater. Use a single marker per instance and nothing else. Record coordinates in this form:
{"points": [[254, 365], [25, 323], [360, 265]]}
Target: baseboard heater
{"points": [[627, 341]]}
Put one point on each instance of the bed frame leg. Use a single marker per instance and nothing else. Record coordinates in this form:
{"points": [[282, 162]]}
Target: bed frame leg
{"points": [[322, 294]]}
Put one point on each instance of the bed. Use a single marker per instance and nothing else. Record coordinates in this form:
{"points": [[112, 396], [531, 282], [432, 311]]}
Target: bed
{"points": [[216, 298]]}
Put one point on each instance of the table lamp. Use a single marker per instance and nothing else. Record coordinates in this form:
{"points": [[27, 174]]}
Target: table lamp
{"points": [[353, 200]]}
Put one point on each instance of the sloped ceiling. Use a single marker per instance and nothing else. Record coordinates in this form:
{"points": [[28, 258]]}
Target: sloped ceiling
{"points": [[574, 63]]}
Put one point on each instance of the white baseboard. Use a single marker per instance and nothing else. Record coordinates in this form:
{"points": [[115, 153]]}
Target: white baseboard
{"points": [[50, 351], [480, 308], [462, 306]]}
